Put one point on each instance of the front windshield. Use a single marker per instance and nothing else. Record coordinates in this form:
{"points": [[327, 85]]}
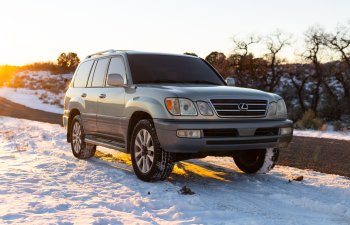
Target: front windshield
{"points": [[153, 68]]}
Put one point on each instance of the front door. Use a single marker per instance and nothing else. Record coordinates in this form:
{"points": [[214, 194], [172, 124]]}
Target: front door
{"points": [[111, 103]]}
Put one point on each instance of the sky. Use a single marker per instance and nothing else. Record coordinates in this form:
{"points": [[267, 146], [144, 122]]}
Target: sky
{"points": [[39, 30]]}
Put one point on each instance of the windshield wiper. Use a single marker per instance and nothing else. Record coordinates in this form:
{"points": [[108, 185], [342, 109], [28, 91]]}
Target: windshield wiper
{"points": [[178, 82], [202, 82], [162, 81]]}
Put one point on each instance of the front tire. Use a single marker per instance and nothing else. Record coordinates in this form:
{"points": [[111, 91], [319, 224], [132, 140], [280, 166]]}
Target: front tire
{"points": [[257, 161], [150, 162], [80, 149]]}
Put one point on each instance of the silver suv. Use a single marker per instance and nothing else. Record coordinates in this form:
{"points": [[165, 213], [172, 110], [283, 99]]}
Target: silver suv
{"points": [[164, 108]]}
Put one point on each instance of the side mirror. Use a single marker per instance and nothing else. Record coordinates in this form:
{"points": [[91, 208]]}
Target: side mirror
{"points": [[230, 81], [116, 80]]}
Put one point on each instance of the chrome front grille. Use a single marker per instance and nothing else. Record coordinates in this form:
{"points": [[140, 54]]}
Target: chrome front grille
{"points": [[240, 107]]}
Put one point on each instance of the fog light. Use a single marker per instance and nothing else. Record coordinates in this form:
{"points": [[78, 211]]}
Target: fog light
{"points": [[188, 133], [286, 130]]}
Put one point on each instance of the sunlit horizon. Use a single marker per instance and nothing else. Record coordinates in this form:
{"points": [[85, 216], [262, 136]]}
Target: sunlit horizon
{"points": [[38, 30]]}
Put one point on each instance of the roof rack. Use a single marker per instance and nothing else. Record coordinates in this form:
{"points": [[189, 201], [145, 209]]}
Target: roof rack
{"points": [[101, 53]]}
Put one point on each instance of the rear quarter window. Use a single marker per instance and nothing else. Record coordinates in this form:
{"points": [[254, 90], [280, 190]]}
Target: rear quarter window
{"points": [[82, 74]]}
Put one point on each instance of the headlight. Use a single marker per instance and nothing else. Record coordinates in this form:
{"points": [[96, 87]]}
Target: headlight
{"points": [[281, 108], [204, 109], [272, 109], [180, 107], [277, 109]]}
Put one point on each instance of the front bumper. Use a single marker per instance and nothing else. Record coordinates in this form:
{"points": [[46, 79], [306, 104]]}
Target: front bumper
{"points": [[244, 140]]}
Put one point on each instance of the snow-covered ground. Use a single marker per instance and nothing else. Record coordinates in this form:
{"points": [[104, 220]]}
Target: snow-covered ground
{"points": [[35, 99], [42, 183], [323, 134], [328, 133]]}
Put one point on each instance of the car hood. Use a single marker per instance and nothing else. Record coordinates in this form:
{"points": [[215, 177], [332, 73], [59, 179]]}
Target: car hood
{"points": [[207, 92]]}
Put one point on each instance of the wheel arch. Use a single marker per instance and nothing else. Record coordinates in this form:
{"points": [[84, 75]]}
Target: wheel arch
{"points": [[72, 114], [134, 119]]}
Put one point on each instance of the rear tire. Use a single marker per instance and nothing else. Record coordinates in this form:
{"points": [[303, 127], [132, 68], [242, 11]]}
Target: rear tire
{"points": [[80, 149], [150, 162], [257, 161]]}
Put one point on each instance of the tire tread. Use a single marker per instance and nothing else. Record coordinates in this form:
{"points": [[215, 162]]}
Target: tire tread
{"points": [[165, 164], [87, 151], [264, 164]]}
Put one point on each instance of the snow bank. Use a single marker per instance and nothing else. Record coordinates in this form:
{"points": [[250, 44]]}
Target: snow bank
{"points": [[35, 99], [42, 183], [42, 75], [323, 134], [38, 89]]}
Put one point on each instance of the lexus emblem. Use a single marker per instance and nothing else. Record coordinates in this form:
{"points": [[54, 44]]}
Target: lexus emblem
{"points": [[243, 106]]}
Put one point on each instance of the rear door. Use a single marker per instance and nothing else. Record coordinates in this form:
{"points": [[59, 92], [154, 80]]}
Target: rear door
{"points": [[84, 96], [95, 84], [111, 103]]}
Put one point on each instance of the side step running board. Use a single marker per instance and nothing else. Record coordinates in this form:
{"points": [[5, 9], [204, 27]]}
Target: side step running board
{"points": [[105, 143]]}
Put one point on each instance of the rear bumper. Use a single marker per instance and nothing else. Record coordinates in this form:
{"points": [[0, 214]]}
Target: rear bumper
{"points": [[245, 140]]}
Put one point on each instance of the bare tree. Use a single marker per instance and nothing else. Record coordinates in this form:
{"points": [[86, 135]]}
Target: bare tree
{"points": [[241, 45], [299, 78], [242, 61], [274, 44], [314, 42], [339, 42]]}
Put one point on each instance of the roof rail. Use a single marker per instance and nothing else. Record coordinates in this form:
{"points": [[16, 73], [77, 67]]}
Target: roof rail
{"points": [[101, 53]]}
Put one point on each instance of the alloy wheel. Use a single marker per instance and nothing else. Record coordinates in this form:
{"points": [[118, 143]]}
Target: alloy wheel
{"points": [[76, 138], [144, 151]]}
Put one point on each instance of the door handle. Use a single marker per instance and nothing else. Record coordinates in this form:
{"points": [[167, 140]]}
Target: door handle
{"points": [[83, 95], [102, 95]]}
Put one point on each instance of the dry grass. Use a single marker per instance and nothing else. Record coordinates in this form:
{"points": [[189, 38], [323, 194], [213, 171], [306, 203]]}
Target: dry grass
{"points": [[310, 121]]}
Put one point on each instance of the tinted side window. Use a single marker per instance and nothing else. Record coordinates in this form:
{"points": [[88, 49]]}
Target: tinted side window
{"points": [[82, 74], [117, 66], [100, 72]]}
